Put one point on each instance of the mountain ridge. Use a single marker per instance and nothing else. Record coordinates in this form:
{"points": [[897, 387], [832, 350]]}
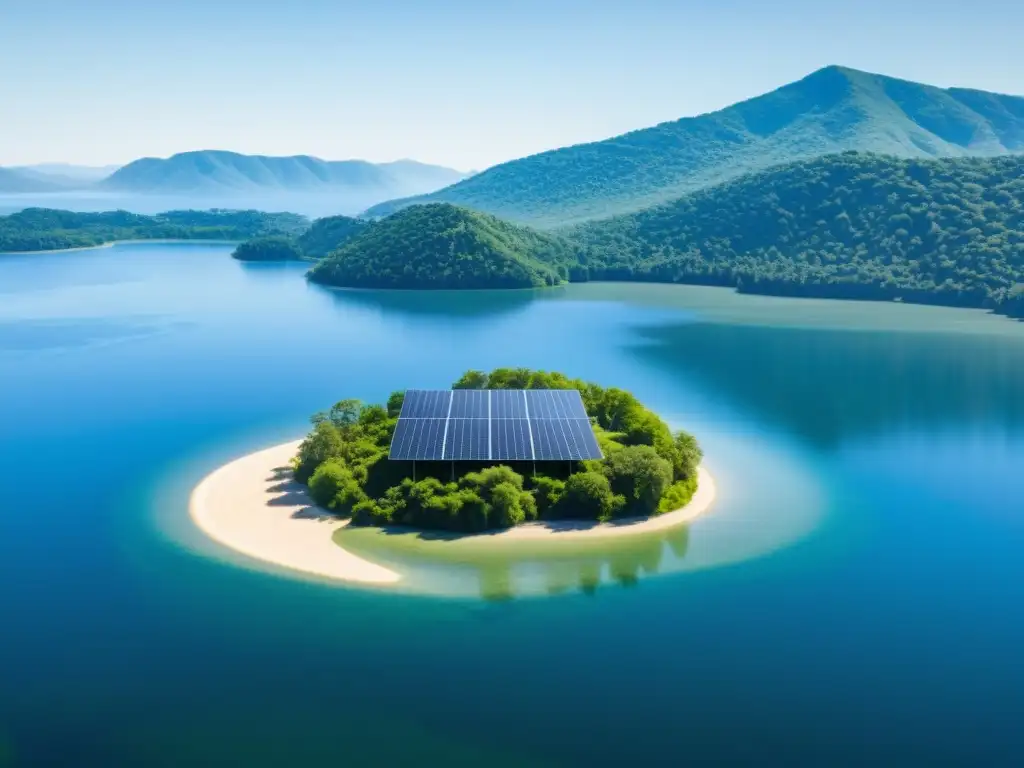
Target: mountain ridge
{"points": [[831, 110], [222, 170]]}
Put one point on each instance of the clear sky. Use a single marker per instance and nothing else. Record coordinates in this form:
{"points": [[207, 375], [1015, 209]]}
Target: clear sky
{"points": [[464, 84]]}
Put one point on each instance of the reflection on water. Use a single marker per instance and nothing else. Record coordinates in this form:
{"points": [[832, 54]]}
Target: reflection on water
{"points": [[498, 570], [441, 305], [829, 387]]}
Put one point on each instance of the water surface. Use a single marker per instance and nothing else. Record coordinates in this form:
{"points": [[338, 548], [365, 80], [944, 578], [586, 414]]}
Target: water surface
{"points": [[856, 596]]}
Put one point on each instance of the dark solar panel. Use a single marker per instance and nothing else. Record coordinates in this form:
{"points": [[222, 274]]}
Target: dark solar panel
{"points": [[426, 404], [469, 403], [498, 425], [510, 440], [467, 440], [555, 404], [584, 441], [508, 404], [418, 439]]}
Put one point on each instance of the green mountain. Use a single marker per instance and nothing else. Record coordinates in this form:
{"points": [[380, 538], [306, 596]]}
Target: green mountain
{"points": [[444, 246], [41, 229], [328, 234], [830, 111], [855, 225], [216, 172]]}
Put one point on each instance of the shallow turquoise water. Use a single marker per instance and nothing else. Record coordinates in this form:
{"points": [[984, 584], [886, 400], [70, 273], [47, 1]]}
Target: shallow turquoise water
{"points": [[857, 596]]}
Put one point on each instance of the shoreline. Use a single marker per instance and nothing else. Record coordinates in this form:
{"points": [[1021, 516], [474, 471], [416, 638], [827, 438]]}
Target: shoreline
{"points": [[252, 506], [112, 243]]}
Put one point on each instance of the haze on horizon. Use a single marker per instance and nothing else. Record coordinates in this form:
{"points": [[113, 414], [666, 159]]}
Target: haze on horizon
{"points": [[461, 84]]}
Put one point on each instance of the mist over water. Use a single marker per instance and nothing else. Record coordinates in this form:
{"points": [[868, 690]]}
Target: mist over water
{"points": [[853, 597]]}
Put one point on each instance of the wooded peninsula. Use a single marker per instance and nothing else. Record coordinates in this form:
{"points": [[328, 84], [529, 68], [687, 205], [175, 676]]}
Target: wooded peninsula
{"points": [[46, 229]]}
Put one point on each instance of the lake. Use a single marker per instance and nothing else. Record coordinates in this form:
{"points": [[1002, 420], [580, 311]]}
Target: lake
{"points": [[856, 595]]}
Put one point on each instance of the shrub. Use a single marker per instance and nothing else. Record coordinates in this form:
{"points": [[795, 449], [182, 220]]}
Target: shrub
{"points": [[640, 475], [588, 495]]}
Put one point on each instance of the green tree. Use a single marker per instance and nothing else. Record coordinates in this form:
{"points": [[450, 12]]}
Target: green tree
{"points": [[688, 455], [395, 400], [471, 380], [640, 476], [323, 443], [344, 413], [588, 495]]}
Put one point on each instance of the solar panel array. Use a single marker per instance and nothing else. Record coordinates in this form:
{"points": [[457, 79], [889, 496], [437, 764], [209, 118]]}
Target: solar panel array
{"points": [[493, 425]]}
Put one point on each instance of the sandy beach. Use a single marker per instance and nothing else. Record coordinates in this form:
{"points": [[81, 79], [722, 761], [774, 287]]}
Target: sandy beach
{"points": [[252, 506]]}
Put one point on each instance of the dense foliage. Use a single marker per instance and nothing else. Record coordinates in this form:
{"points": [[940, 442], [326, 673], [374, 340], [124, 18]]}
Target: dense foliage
{"points": [[322, 237], [647, 468], [845, 226], [329, 234], [443, 246], [43, 229], [270, 248], [832, 110]]}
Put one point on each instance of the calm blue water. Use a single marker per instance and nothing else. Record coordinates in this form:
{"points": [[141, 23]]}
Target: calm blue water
{"points": [[857, 597]]}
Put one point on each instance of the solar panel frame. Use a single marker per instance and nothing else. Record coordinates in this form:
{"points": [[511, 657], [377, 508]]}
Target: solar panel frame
{"points": [[495, 425]]}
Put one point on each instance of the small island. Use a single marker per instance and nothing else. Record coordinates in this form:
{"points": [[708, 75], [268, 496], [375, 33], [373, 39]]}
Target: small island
{"points": [[646, 469], [287, 505]]}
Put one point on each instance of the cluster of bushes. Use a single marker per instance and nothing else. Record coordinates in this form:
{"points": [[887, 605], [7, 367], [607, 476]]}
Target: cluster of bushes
{"points": [[647, 468]]}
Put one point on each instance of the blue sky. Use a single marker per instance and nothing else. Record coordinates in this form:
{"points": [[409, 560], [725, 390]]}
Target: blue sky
{"points": [[465, 84]]}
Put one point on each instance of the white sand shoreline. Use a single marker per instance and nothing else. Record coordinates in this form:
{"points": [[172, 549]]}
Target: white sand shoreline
{"points": [[252, 506]]}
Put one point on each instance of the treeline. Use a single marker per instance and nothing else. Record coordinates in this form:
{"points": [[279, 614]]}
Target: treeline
{"points": [[854, 225], [647, 468], [44, 229], [322, 237], [444, 246]]}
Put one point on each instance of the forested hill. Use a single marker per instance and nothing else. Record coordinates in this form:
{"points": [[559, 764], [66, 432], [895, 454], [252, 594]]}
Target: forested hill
{"points": [[830, 111], [444, 246], [327, 234], [848, 226], [43, 229]]}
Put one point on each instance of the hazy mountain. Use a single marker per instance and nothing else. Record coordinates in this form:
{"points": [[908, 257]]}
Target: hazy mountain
{"points": [[68, 171], [17, 181], [832, 110], [218, 173]]}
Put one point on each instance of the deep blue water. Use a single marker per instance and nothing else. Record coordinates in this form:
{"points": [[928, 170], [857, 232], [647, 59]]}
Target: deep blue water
{"points": [[857, 596]]}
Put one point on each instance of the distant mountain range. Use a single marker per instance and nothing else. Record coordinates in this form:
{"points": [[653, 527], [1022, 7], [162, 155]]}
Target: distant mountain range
{"points": [[211, 173], [832, 110], [68, 171]]}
